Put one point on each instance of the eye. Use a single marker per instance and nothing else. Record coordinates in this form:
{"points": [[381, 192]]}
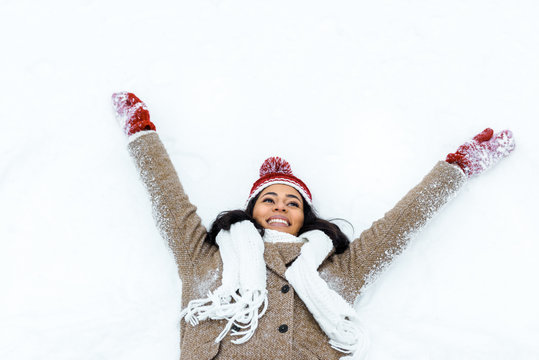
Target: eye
{"points": [[293, 203], [268, 200]]}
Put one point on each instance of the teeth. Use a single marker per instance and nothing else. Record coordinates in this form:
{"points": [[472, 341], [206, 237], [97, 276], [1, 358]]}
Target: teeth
{"points": [[278, 220]]}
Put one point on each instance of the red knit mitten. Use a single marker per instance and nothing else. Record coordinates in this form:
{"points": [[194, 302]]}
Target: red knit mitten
{"points": [[131, 113], [483, 151]]}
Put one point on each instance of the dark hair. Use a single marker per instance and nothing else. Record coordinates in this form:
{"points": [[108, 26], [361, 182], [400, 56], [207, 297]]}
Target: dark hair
{"points": [[311, 221]]}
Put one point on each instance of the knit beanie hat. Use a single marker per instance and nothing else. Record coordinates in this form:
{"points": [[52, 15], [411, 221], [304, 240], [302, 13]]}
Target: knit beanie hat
{"points": [[275, 170]]}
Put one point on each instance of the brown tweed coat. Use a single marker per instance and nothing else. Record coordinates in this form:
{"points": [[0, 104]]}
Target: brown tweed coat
{"points": [[287, 331]]}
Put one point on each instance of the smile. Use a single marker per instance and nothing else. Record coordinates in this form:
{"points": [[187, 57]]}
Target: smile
{"points": [[278, 222]]}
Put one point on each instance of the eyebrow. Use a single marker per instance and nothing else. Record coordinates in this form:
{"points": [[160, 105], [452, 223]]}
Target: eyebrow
{"points": [[287, 195]]}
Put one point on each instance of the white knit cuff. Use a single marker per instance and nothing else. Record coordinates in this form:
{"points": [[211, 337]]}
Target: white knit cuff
{"points": [[136, 135]]}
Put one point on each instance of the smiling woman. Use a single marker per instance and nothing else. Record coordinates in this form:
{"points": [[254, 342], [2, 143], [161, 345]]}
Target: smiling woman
{"points": [[278, 262], [280, 207], [281, 202]]}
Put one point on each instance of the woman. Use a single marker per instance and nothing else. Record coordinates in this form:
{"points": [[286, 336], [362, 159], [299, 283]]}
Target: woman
{"points": [[274, 281]]}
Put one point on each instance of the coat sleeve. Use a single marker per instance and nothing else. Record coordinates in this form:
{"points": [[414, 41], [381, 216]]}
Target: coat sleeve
{"points": [[175, 216], [388, 236]]}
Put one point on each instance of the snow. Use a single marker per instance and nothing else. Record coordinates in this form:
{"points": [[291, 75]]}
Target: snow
{"points": [[362, 98]]}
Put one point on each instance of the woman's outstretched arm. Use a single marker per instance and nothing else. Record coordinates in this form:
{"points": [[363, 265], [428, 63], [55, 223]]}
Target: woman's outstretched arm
{"points": [[388, 236], [175, 216]]}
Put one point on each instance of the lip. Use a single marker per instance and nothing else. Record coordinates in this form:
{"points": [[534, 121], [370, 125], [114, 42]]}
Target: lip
{"points": [[278, 224]]}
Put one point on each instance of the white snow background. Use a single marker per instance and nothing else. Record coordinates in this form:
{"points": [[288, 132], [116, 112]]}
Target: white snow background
{"points": [[362, 97]]}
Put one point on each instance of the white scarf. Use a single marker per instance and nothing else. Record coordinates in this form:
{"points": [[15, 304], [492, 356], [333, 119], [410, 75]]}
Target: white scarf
{"points": [[242, 298]]}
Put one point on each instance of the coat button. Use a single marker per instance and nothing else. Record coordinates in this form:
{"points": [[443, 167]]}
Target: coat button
{"points": [[283, 328], [285, 289]]}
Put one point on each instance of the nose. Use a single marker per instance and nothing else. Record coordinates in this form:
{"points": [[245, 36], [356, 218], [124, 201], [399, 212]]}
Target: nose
{"points": [[280, 206]]}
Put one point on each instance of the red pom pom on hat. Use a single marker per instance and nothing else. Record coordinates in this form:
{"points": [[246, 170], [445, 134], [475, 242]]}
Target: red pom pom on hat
{"points": [[275, 165], [275, 170]]}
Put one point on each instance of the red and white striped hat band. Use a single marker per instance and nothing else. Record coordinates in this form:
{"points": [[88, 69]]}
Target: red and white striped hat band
{"points": [[275, 170]]}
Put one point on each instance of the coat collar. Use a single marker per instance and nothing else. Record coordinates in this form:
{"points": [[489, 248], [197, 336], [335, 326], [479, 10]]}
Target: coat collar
{"points": [[278, 255]]}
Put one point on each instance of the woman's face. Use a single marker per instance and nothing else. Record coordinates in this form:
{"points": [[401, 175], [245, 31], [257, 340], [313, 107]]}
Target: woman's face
{"points": [[279, 207]]}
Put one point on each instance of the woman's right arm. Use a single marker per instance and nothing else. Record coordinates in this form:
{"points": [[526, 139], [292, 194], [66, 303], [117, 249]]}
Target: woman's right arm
{"points": [[175, 216]]}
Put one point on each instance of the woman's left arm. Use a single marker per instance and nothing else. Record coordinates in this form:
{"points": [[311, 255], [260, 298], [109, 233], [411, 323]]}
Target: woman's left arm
{"points": [[388, 236]]}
